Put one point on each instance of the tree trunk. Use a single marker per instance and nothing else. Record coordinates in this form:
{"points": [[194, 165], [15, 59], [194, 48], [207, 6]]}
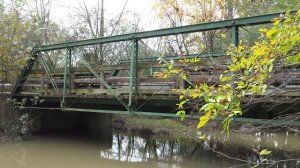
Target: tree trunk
{"points": [[2, 101]]}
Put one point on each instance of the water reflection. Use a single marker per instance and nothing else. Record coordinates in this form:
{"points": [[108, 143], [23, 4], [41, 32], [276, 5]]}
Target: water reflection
{"points": [[133, 151], [133, 148], [174, 152]]}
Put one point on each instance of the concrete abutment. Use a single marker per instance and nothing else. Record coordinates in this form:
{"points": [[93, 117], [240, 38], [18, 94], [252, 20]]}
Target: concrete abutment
{"points": [[47, 121]]}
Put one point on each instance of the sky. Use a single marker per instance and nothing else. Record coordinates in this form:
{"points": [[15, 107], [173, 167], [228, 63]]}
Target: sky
{"points": [[62, 9]]}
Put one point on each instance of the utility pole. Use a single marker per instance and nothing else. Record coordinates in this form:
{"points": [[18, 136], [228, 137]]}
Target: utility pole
{"points": [[101, 45], [101, 31]]}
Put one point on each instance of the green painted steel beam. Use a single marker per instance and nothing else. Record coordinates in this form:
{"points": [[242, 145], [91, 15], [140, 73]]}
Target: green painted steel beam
{"points": [[167, 58], [172, 115], [264, 121], [25, 71], [97, 111], [239, 22], [176, 57], [133, 76], [235, 35], [67, 76]]}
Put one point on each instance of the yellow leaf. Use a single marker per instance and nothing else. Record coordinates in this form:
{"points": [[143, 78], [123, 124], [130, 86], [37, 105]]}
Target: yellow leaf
{"points": [[271, 33], [265, 152], [263, 30], [203, 120], [181, 97], [223, 36], [276, 22], [271, 68]]}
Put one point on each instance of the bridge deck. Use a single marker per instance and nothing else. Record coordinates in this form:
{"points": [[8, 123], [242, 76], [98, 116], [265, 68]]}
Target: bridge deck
{"points": [[154, 93]]}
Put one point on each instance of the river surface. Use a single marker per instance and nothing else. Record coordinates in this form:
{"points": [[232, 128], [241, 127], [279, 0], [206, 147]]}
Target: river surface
{"points": [[129, 150]]}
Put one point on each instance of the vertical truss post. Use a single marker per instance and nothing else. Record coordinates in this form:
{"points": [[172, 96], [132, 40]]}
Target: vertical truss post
{"points": [[67, 76], [133, 77], [235, 35], [234, 41]]}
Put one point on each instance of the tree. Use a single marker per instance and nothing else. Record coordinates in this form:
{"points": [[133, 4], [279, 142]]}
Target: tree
{"points": [[199, 11], [248, 74], [264, 7], [181, 12], [13, 48], [43, 30], [88, 23], [178, 13], [92, 21]]}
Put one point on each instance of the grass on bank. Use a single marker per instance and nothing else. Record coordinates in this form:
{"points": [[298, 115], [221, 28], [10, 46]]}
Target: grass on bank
{"points": [[156, 125]]}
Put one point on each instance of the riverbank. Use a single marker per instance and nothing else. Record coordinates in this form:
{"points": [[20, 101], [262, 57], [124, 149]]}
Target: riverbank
{"points": [[153, 125], [187, 128], [11, 135]]}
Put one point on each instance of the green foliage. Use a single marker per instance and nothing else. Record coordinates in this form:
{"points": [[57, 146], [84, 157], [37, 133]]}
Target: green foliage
{"points": [[248, 73], [13, 52], [21, 104]]}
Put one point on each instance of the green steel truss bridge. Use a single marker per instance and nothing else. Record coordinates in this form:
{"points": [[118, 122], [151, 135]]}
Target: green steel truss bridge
{"points": [[127, 84]]}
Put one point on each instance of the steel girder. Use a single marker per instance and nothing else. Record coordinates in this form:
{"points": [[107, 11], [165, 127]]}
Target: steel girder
{"points": [[223, 24]]}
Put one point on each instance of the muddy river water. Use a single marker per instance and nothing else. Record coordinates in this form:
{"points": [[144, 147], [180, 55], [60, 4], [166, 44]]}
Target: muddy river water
{"points": [[129, 150]]}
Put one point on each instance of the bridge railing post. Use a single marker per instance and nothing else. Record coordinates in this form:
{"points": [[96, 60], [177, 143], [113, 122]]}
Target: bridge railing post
{"points": [[43, 82]]}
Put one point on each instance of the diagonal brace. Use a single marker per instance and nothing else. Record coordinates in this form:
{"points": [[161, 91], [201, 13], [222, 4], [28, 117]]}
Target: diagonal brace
{"points": [[103, 82], [50, 76]]}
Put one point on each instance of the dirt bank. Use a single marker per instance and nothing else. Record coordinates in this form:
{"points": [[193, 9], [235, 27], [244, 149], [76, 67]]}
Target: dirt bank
{"points": [[186, 128], [153, 125]]}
